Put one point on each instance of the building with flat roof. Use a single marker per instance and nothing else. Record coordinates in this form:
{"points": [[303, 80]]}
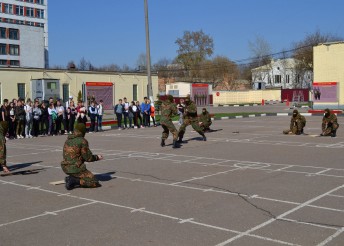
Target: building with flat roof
{"points": [[328, 85], [24, 33], [44, 83]]}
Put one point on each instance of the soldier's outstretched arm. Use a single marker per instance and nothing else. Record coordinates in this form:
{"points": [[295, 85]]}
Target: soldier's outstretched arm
{"points": [[87, 153]]}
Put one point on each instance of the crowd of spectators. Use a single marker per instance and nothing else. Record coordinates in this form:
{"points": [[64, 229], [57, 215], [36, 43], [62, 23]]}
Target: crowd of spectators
{"points": [[48, 118], [134, 115]]}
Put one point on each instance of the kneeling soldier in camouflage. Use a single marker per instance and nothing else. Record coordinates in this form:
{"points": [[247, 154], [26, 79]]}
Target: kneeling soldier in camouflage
{"points": [[297, 123], [329, 124], [75, 153]]}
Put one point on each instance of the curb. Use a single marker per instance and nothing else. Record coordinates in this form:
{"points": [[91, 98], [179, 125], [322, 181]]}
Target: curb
{"points": [[242, 116]]}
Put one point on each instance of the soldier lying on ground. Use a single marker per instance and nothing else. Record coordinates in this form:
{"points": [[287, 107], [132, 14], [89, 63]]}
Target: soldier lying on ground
{"points": [[329, 124], [3, 132], [205, 120], [75, 153], [297, 123]]}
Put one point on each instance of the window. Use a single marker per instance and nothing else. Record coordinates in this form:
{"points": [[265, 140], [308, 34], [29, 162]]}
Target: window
{"points": [[40, 13], [3, 62], [14, 34], [21, 90], [65, 92], [29, 12], [278, 79], [2, 32], [3, 49], [40, 2], [287, 79], [52, 85], [134, 92], [8, 8], [173, 92], [14, 62], [30, 1], [14, 50], [19, 10]]}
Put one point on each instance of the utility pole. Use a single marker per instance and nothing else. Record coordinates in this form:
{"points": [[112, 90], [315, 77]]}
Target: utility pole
{"points": [[149, 77]]}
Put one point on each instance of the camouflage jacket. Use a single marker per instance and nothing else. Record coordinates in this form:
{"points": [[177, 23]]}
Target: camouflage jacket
{"points": [[75, 153], [190, 111], [299, 121], [2, 147], [328, 121], [205, 118], [168, 109]]}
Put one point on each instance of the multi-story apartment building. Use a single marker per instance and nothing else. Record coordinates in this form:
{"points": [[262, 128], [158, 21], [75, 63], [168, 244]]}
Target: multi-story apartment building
{"points": [[24, 33]]}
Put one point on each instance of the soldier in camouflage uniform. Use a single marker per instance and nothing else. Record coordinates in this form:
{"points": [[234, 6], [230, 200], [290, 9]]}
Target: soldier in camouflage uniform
{"points": [[205, 120], [190, 118], [3, 131], [329, 124], [75, 153], [168, 109], [297, 123]]}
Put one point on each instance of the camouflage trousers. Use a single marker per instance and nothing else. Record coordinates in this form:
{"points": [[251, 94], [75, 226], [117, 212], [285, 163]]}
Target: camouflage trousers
{"points": [[87, 179], [205, 126], [169, 127], [195, 125], [294, 130], [330, 128]]}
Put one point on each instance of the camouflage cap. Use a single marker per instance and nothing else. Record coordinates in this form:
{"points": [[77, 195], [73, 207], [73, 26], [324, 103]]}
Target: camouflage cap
{"points": [[327, 110], [295, 111], [170, 98], [81, 128]]}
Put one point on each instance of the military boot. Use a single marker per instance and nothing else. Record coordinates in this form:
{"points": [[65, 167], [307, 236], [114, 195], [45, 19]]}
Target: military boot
{"points": [[334, 133], [204, 137], [162, 144], [175, 144], [180, 140], [71, 182]]}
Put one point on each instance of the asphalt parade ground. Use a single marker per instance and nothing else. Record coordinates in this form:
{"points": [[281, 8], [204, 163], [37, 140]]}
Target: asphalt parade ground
{"points": [[247, 185]]}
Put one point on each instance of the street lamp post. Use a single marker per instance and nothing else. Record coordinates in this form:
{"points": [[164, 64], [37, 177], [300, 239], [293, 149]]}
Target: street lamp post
{"points": [[149, 77]]}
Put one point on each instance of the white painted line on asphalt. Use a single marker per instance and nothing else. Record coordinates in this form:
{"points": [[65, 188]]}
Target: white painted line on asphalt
{"points": [[272, 240], [335, 195], [25, 219], [45, 213], [137, 210], [34, 188], [206, 176], [92, 201], [184, 221], [326, 208], [323, 171], [279, 217], [330, 238], [309, 223]]}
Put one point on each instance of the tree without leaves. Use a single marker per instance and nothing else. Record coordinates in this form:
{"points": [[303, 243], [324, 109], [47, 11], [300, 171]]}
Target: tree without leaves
{"points": [[304, 51], [141, 62], [194, 48], [221, 71], [261, 53], [161, 67]]}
